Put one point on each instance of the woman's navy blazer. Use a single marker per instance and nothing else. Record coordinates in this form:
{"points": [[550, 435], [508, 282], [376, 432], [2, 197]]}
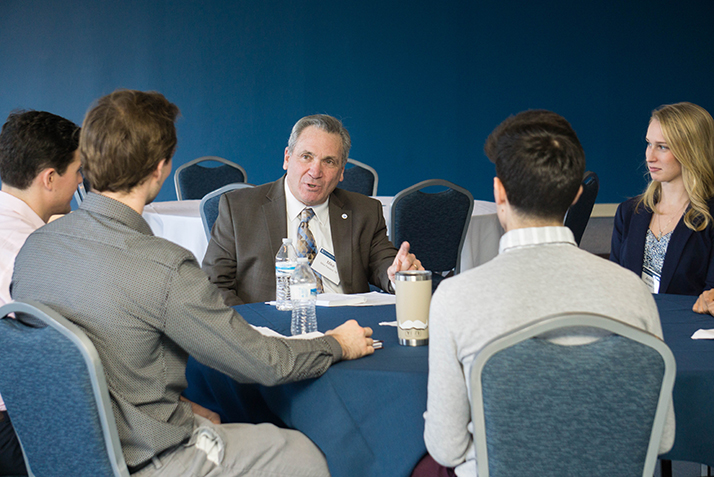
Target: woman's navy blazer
{"points": [[688, 267]]}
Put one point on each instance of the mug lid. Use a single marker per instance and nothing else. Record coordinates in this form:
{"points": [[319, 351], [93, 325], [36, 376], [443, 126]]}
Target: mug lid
{"points": [[413, 275]]}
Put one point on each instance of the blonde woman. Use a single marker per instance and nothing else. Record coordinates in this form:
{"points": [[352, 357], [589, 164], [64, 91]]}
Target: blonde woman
{"points": [[666, 235]]}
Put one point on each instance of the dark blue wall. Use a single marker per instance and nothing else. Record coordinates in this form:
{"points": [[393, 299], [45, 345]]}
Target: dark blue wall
{"points": [[418, 84]]}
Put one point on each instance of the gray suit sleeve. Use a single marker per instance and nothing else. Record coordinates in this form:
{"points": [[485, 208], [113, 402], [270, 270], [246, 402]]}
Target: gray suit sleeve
{"points": [[382, 253], [219, 263]]}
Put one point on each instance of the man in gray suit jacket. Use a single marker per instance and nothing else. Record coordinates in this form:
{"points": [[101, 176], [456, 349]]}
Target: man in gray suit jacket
{"points": [[251, 223]]}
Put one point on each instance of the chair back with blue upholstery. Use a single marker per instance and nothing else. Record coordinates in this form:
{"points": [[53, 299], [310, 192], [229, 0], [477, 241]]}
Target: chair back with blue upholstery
{"points": [[359, 177], [542, 408], [578, 215], [81, 191], [209, 205], [193, 180], [434, 224], [56, 393]]}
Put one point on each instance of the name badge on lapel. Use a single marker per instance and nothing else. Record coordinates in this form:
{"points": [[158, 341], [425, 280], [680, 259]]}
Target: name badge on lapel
{"points": [[651, 279], [325, 265]]}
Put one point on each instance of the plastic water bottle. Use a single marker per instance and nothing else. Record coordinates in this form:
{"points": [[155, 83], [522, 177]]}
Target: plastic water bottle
{"points": [[285, 262], [303, 290]]}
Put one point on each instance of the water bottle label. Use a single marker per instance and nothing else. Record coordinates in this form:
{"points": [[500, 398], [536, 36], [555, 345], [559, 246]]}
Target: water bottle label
{"points": [[303, 291], [284, 268]]}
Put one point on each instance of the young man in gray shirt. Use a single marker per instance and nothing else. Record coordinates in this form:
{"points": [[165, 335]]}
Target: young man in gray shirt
{"points": [[146, 305]]}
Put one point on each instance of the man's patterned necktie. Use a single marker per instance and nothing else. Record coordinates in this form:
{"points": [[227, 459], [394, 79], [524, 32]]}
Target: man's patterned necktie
{"points": [[306, 242]]}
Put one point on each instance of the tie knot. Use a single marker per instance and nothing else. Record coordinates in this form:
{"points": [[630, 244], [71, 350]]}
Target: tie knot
{"points": [[306, 214]]}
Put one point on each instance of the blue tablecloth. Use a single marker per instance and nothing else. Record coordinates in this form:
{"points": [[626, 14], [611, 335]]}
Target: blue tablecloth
{"points": [[366, 415], [694, 386]]}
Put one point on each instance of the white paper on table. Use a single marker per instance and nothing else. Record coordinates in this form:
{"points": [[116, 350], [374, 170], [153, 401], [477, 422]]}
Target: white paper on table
{"points": [[703, 335], [339, 299], [356, 299], [377, 298], [305, 336]]}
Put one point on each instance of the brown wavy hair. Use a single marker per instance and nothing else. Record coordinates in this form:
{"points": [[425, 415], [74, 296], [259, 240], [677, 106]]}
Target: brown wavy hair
{"points": [[124, 137]]}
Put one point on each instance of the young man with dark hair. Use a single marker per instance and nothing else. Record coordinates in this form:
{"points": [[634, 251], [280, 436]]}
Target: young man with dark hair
{"points": [[39, 170], [539, 271], [147, 305]]}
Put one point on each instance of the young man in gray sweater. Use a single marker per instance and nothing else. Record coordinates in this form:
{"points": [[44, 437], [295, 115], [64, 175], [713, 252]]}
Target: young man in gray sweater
{"points": [[539, 271]]}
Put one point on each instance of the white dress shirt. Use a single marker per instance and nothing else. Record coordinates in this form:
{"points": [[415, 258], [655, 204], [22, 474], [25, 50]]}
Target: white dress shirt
{"points": [[319, 225]]}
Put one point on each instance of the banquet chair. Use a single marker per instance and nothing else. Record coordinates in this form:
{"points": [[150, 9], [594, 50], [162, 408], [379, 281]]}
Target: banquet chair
{"points": [[578, 215], [542, 408], [209, 205], [359, 177], [193, 181], [55, 390], [434, 224]]}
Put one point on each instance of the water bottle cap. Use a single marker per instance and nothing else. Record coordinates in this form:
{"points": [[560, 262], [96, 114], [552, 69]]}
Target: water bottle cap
{"points": [[302, 260], [287, 240]]}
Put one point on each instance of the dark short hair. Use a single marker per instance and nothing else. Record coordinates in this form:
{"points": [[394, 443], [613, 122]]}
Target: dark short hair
{"points": [[540, 162], [326, 123], [124, 137], [32, 141]]}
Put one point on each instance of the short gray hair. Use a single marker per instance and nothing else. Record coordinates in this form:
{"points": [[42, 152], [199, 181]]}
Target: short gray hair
{"points": [[326, 123]]}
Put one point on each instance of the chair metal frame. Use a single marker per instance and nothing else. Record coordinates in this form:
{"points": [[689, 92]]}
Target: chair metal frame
{"points": [[205, 159], [95, 372], [369, 168], [559, 322], [430, 183], [210, 195]]}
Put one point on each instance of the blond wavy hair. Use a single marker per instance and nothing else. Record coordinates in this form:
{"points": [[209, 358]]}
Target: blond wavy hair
{"points": [[689, 132]]}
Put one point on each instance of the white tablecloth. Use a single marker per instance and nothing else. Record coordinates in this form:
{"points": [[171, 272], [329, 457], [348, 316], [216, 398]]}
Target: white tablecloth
{"points": [[180, 222]]}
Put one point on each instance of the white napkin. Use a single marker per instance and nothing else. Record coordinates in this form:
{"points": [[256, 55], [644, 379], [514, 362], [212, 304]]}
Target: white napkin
{"points": [[703, 335]]}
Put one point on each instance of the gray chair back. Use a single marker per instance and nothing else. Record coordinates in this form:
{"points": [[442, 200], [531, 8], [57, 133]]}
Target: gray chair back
{"points": [[434, 224], [541, 408], [359, 177], [209, 205], [578, 215], [56, 393], [193, 181]]}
